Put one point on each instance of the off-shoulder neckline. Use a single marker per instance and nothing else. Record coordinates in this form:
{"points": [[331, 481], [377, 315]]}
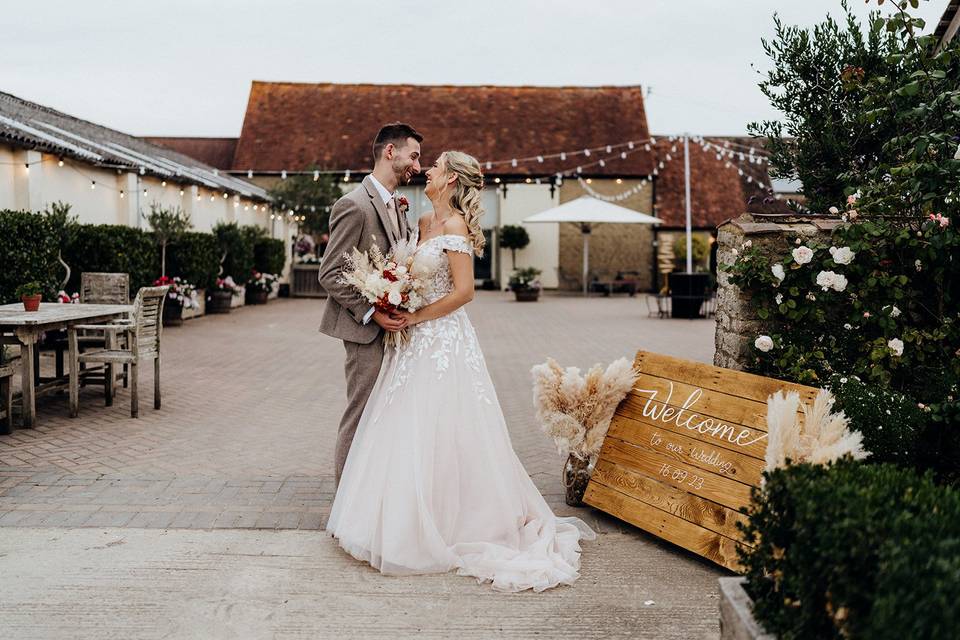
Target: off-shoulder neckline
{"points": [[442, 235]]}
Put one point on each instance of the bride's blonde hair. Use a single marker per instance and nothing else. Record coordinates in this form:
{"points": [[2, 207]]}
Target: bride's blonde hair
{"points": [[467, 191]]}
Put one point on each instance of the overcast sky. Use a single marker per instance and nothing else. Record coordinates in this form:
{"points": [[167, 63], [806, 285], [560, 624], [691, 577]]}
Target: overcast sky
{"points": [[184, 67]]}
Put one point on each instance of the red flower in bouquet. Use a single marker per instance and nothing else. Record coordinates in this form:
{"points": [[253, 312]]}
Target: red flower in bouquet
{"points": [[403, 205]]}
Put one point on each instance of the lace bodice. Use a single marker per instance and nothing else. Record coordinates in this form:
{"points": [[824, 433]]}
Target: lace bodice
{"points": [[445, 340], [441, 281]]}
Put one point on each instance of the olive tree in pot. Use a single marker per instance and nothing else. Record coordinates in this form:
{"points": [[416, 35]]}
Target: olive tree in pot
{"points": [[513, 237]]}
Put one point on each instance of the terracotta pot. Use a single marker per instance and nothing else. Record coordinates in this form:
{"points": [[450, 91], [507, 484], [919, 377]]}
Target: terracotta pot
{"points": [[576, 475], [31, 303], [526, 295], [256, 297], [218, 301]]}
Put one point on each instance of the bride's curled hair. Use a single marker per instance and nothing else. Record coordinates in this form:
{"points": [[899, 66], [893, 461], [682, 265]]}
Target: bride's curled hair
{"points": [[467, 191]]}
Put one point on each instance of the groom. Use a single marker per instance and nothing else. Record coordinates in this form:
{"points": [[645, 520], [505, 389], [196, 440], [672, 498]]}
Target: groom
{"points": [[368, 215]]}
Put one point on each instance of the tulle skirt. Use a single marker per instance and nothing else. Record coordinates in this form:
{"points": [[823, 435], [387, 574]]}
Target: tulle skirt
{"points": [[432, 483]]}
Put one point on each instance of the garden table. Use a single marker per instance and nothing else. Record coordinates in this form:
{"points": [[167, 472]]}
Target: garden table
{"points": [[25, 327]]}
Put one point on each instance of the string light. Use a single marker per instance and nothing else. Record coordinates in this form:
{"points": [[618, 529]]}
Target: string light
{"points": [[121, 193], [60, 162], [93, 184]]}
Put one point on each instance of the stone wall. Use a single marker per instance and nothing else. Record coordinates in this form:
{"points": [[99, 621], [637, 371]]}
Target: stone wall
{"points": [[737, 324]]}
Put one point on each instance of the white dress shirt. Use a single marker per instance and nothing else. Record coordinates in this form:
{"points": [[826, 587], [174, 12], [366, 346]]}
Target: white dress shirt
{"points": [[386, 195]]}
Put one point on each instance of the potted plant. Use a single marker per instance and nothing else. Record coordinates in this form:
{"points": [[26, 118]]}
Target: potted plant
{"points": [[30, 294], [513, 237], [181, 295], [220, 295], [525, 285], [260, 286]]}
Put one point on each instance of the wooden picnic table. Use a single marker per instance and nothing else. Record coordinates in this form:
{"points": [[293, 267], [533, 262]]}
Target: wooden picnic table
{"points": [[25, 327]]}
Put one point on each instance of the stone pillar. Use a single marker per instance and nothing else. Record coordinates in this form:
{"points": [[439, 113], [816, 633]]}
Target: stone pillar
{"points": [[737, 323]]}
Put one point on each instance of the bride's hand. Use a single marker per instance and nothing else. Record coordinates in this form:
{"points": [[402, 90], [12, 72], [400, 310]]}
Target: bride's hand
{"points": [[409, 319]]}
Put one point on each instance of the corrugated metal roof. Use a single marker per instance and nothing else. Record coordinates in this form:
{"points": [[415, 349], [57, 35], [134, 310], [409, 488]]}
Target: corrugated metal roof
{"points": [[29, 125]]}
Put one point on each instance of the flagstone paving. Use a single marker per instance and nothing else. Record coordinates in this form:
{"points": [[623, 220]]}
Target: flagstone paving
{"points": [[181, 523]]}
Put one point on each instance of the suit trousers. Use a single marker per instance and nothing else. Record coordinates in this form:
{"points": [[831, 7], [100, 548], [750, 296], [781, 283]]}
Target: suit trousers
{"points": [[362, 366]]}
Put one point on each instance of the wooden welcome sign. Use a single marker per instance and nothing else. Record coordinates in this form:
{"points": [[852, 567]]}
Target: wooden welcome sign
{"points": [[683, 451]]}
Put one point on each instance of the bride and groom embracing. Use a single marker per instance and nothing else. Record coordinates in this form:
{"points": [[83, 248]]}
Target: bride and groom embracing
{"points": [[428, 481]]}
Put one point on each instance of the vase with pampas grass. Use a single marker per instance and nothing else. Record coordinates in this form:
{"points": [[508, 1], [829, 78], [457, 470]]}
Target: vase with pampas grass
{"points": [[575, 410]]}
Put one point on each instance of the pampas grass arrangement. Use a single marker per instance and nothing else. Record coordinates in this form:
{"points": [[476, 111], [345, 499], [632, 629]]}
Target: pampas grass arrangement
{"points": [[576, 410], [820, 437]]}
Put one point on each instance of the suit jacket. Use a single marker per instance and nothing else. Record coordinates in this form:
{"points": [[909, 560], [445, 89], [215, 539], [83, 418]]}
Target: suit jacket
{"points": [[358, 219]]}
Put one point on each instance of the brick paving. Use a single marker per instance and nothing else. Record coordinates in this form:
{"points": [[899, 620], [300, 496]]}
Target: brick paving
{"points": [[251, 402]]}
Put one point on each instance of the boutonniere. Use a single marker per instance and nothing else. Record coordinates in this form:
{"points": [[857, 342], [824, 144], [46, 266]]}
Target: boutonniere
{"points": [[403, 205]]}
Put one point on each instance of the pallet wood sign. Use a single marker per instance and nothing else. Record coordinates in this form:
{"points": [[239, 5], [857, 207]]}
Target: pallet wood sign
{"points": [[683, 451]]}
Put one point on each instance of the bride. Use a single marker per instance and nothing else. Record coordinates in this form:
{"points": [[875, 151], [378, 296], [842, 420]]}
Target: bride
{"points": [[431, 483]]}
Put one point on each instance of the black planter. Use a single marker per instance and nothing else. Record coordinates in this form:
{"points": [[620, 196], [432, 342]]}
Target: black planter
{"points": [[688, 291], [218, 301], [172, 313]]}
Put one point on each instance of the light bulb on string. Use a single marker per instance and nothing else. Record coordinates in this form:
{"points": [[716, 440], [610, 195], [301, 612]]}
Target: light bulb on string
{"points": [[316, 176], [93, 184], [630, 145], [563, 155], [121, 193], [144, 193], [249, 174], [623, 155], [181, 192], [60, 162], [609, 149], [586, 152], [539, 158], [619, 181], [163, 183], [283, 174], [224, 195]]}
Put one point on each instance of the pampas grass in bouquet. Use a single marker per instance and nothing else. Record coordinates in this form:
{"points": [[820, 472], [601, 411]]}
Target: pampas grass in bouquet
{"points": [[575, 410]]}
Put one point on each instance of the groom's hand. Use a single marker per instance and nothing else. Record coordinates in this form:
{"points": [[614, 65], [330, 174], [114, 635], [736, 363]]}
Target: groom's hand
{"points": [[389, 321]]}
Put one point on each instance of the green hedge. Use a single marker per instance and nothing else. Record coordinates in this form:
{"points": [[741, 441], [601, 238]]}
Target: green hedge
{"points": [[269, 255], [30, 243], [236, 243], [854, 551], [113, 248], [195, 257], [28, 252]]}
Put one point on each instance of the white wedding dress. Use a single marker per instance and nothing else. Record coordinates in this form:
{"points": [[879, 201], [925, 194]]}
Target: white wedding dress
{"points": [[431, 483]]}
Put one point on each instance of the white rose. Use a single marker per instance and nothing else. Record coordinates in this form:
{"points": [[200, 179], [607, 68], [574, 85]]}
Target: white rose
{"points": [[917, 264], [896, 345], [401, 270], [779, 298], [895, 312], [842, 255], [811, 297], [394, 297], [834, 210], [802, 254], [778, 272], [825, 279], [763, 343], [748, 244], [847, 326], [839, 282]]}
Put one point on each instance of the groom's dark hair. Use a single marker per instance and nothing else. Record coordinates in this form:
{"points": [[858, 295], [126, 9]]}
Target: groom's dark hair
{"points": [[395, 133]]}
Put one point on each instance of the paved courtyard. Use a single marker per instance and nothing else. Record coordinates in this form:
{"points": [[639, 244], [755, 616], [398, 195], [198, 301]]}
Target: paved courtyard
{"points": [[205, 519]]}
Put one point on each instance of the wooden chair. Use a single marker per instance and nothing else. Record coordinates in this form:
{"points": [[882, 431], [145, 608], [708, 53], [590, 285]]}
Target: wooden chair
{"points": [[6, 398], [96, 287], [142, 334]]}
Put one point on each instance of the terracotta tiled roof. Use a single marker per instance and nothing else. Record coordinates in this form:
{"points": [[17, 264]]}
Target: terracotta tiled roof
{"points": [[715, 190], [290, 126], [216, 152]]}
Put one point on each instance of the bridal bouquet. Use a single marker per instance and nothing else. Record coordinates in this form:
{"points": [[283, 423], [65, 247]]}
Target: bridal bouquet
{"points": [[391, 282]]}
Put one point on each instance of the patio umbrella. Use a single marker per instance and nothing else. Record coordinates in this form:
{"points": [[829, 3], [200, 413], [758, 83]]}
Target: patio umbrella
{"points": [[587, 212]]}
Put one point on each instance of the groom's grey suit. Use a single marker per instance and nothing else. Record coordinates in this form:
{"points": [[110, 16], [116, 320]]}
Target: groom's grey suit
{"points": [[358, 220]]}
